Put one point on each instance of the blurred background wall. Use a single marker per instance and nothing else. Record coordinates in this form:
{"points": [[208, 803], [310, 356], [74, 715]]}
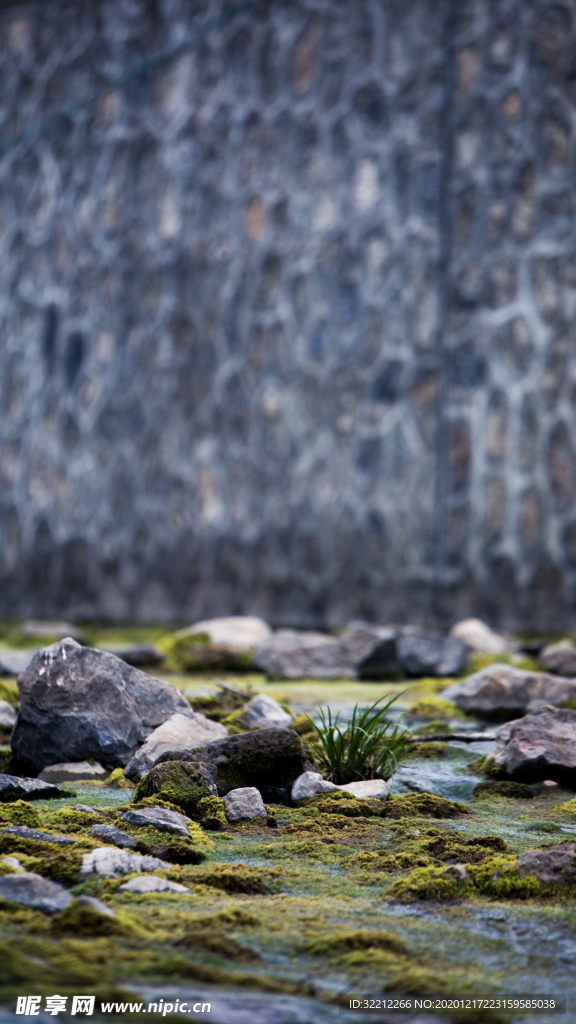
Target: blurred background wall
{"points": [[287, 315]]}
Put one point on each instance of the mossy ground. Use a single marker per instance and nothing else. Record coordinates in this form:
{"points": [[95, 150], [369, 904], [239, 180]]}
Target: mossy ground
{"points": [[341, 896]]}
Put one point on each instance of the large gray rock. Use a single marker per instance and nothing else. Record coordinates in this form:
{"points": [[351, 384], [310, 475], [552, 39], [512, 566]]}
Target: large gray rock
{"points": [[7, 715], [73, 771], [114, 836], [159, 818], [559, 658], [151, 883], [243, 632], [264, 758], [310, 784], [502, 692], [77, 703], [244, 804], [225, 643], [371, 651], [178, 733], [30, 890], [33, 835], [422, 653], [263, 712], [556, 864], [290, 654], [539, 746], [12, 663], [479, 637], [12, 787], [108, 862]]}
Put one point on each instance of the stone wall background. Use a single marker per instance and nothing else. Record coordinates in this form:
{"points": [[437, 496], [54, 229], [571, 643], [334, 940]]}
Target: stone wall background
{"points": [[287, 322]]}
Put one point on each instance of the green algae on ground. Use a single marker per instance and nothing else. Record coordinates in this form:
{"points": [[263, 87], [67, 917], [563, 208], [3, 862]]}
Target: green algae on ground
{"points": [[434, 707], [423, 805], [510, 790], [118, 780], [19, 812]]}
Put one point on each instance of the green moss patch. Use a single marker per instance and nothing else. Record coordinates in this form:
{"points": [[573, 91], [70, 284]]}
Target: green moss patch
{"points": [[434, 707], [509, 790], [181, 783], [20, 813], [423, 805]]}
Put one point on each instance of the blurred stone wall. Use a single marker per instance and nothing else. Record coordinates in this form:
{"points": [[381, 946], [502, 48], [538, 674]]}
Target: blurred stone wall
{"points": [[286, 322]]}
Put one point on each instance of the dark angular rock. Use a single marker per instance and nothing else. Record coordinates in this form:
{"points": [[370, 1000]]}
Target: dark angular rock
{"points": [[556, 864], [183, 782], [35, 836], [12, 787], [264, 758], [539, 746], [421, 653], [30, 890], [158, 817], [115, 836], [77, 703]]}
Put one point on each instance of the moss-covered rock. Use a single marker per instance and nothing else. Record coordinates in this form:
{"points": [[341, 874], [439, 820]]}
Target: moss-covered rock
{"points": [[429, 883], [20, 813], [79, 919], [510, 790], [434, 707], [196, 652], [182, 783], [423, 805], [261, 758], [212, 814], [117, 780]]}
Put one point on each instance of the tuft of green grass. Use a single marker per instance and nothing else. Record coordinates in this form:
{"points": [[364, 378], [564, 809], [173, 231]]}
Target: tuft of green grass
{"points": [[370, 747]]}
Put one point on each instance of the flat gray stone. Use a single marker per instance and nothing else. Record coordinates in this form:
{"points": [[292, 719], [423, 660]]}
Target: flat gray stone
{"points": [[31, 890], [12, 787], [7, 715], [72, 771], [177, 733], [310, 784], [151, 883], [559, 658], [108, 862], [366, 789], [96, 905], [160, 818], [244, 805], [35, 836], [264, 712], [115, 836]]}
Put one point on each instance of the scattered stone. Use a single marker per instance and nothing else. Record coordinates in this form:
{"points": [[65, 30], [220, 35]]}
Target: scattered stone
{"points": [[291, 654], [309, 784], [368, 789], [12, 787], [147, 883], [422, 653], [115, 836], [51, 630], [178, 733], [457, 871], [13, 862], [31, 890], [541, 745], [416, 786], [371, 651], [549, 783], [77, 703], [477, 636], [559, 658], [96, 905], [85, 809], [556, 864], [72, 771], [180, 782], [12, 663], [113, 863], [158, 817], [265, 757], [137, 654], [227, 643], [264, 712], [7, 715], [503, 692], [244, 804], [34, 836]]}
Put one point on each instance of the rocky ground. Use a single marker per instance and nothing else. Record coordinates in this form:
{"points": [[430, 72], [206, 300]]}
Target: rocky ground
{"points": [[161, 876]]}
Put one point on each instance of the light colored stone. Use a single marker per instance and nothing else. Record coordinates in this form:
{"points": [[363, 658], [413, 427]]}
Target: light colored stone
{"points": [[265, 712], [177, 733], [244, 805], [309, 784], [12, 663], [72, 771], [244, 632], [559, 658], [151, 883], [458, 871], [375, 789], [479, 637], [539, 745], [109, 862], [160, 818], [7, 715], [31, 890], [13, 862], [501, 691], [292, 654], [96, 905]]}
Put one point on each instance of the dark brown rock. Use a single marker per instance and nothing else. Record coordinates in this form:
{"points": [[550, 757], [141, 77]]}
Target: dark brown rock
{"points": [[539, 746], [556, 864]]}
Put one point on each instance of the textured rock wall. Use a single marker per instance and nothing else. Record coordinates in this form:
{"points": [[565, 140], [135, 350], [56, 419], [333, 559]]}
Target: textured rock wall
{"points": [[286, 322]]}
